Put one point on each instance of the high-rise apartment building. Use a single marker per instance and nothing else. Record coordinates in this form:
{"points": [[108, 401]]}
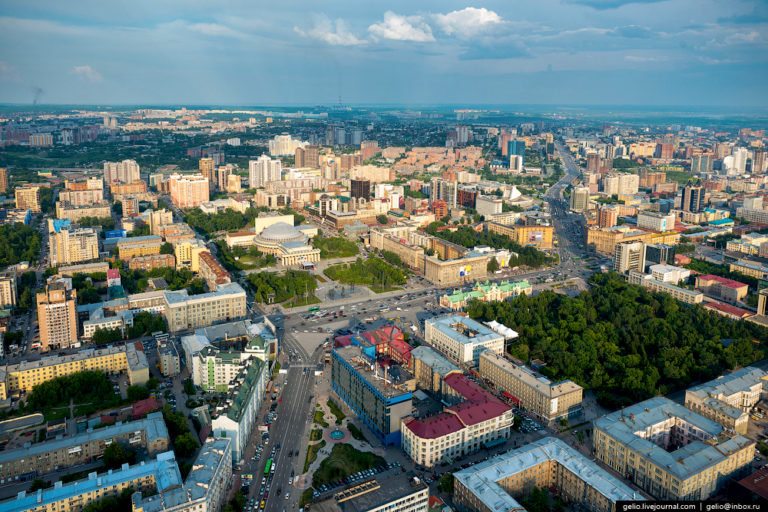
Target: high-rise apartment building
{"points": [[8, 295], [264, 170], [284, 145], [701, 162], [57, 316], [593, 162], [222, 176], [369, 148], [28, 198], [444, 190], [308, 156], [693, 197], [607, 216], [70, 245], [629, 256], [360, 188], [580, 198], [126, 171], [759, 163], [664, 151], [159, 218], [208, 170], [3, 180], [188, 191], [621, 184]]}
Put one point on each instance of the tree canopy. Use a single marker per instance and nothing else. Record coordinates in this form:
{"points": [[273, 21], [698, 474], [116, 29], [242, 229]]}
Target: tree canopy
{"points": [[291, 284], [20, 243], [622, 341]]}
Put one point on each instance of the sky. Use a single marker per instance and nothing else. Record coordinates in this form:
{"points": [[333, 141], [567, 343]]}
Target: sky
{"points": [[287, 52]]}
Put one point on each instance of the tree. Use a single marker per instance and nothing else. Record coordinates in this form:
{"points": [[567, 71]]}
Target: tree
{"points": [[446, 483], [104, 336], [39, 484], [382, 219], [115, 455], [136, 393], [185, 445], [196, 287], [493, 265], [166, 248]]}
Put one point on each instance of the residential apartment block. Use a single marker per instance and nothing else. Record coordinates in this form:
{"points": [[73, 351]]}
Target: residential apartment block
{"points": [[57, 316], [28, 198], [188, 191], [669, 451], [729, 399], [497, 484], [70, 245], [546, 399], [184, 311]]}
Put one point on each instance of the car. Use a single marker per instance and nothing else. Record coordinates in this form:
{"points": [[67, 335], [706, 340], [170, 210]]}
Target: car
{"points": [[287, 495]]}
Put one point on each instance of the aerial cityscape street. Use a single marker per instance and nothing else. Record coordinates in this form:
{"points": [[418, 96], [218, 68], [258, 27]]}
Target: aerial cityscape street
{"points": [[342, 257]]}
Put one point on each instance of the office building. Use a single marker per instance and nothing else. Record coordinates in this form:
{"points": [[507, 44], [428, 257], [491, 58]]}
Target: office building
{"points": [[208, 170], [548, 400], [3, 180], [57, 316], [264, 170], [28, 198], [629, 256], [390, 492], [479, 420], [669, 273], [450, 272], [184, 311], [604, 240], [126, 171], [149, 434], [728, 400], [536, 235], [430, 369], [669, 451], [488, 205], [655, 221], [693, 197], [188, 191], [655, 285], [360, 188], [380, 397], [461, 339], [659, 253], [579, 199], [236, 416], [722, 288], [497, 484], [8, 292]]}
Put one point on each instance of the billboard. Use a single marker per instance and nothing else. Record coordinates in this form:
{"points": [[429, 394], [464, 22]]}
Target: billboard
{"points": [[465, 271], [117, 233], [535, 236]]}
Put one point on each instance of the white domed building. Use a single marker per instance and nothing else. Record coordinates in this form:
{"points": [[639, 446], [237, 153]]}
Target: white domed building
{"points": [[288, 244]]}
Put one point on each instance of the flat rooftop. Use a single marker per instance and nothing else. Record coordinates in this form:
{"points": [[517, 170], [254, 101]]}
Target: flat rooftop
{"points": [[463, 329], [153, 426], [371, 494], [181, 296], [736, 382], [482, 479], [367, 368], [434, 360], [628, 424], [530, 378]]}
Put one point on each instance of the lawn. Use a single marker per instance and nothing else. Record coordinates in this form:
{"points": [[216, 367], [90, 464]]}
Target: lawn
{"points": [[312, 454], [336, 412], [319, 419], [374, 273], [315, 435], [335, 247], [302, 301], [306, 497], [343, 461], [321, 279]]}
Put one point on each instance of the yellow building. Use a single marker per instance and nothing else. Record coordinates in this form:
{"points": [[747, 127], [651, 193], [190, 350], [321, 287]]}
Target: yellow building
{"points": [[452, 272], [130, 249], [669, 451], [22, 377], [28, 198], [188, 254], [546, 399], [604, 240], [412, 255], [536, 236]]}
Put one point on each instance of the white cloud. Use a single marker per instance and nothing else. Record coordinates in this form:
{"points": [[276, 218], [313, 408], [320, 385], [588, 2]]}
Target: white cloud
{"points": [[334, 33], [215, 29], [402, 28], [88, 73], [8, 73], [468, 21]]}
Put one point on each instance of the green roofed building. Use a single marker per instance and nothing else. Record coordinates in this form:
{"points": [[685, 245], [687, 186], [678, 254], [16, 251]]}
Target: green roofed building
{"points": [[485, 292]]}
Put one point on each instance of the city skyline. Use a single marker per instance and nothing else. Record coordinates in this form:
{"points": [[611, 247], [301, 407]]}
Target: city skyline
{"points": [[577, 52]]}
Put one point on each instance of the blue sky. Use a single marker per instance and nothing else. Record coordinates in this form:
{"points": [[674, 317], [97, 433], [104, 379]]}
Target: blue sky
{"points": [[252, 52]]}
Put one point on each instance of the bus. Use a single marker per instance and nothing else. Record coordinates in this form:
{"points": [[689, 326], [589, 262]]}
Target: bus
{"points": [[314, 308], [267, 467]]}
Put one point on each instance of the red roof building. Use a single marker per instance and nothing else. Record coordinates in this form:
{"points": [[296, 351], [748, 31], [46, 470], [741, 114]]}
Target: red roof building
{"points": [[144, 407], [728, 310], [722, 288]]}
